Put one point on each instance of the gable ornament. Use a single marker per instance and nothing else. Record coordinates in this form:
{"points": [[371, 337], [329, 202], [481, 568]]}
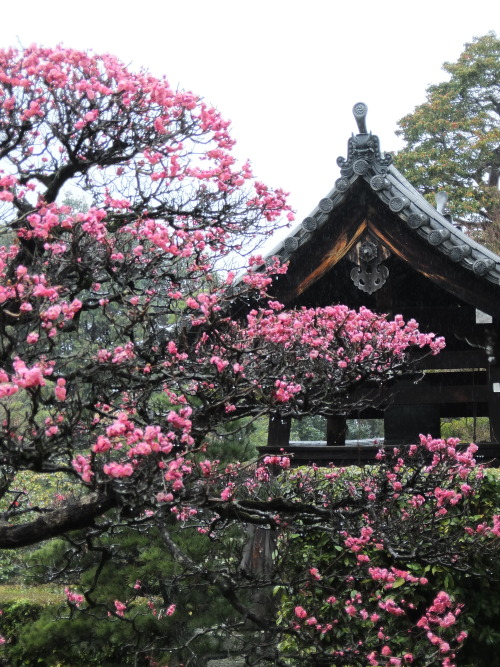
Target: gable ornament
{"points": [[371, 274]]}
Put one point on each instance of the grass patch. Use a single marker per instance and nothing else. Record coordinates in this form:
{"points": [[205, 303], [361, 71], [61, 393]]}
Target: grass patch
{"points": [[42, 595]]}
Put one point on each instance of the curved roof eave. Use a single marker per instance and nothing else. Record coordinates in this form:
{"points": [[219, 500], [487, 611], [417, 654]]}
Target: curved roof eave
{"points": [[365, 161]]}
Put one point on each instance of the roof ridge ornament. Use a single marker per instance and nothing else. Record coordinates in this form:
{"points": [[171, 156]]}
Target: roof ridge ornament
{"points": [[360, 110], [363, 149], [441, 199]]}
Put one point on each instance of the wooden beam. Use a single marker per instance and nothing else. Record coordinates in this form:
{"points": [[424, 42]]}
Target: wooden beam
{"points": [[488, 453], [446, 410], [343, 244], [460, 359], [425, 394]]}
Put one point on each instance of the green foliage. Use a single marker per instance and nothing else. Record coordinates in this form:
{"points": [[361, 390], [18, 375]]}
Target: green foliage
{"points": [[361, 429], [308, 428], [38, 489], [453, 138], [19, 614], [479, 593], [314, 428], [12, 565], [42, 629], [29, 490], [342, 578], [45, 631], [466, 429], [238, 441]]}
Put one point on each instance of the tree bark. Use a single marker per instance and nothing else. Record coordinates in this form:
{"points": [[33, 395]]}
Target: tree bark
{"points": [[72, 516]]}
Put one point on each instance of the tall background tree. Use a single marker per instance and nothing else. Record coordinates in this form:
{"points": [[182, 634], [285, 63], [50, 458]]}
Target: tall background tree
{"points": [[453, 139]]}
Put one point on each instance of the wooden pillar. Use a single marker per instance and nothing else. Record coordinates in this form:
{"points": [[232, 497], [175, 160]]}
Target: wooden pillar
{"points": [[494, 401], [278, 435], [336, 429]]}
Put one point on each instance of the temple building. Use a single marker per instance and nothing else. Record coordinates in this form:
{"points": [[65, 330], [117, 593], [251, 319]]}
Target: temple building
{"points": [[375, 241]]}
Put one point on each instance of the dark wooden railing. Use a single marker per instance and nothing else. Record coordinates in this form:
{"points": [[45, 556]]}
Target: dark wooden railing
{"points": [[348, 455]]}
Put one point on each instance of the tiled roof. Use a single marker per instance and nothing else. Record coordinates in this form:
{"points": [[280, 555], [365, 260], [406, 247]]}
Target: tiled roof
{"points": [[366, 162]]}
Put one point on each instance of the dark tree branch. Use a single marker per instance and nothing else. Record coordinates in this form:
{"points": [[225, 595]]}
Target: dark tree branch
{"points": [[73, 516]]}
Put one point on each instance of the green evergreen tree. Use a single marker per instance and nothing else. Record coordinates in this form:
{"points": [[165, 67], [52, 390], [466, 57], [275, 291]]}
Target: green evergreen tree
{"points": [[453, 139]]}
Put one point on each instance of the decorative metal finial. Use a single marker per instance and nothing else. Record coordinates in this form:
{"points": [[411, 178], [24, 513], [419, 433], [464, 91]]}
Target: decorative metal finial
{"points": [[364, 157], [441, 199], [360, 110]]}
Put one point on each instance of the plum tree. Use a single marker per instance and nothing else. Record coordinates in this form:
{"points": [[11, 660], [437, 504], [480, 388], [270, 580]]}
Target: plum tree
{"points": [[120, 351]]}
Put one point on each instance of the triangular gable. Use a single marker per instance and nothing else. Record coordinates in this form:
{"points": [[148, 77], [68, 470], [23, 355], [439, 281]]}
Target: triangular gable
{"points": [[373, 211]]}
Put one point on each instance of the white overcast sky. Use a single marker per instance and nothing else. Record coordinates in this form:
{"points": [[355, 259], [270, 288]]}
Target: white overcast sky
{"points": [[287, 73]]}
